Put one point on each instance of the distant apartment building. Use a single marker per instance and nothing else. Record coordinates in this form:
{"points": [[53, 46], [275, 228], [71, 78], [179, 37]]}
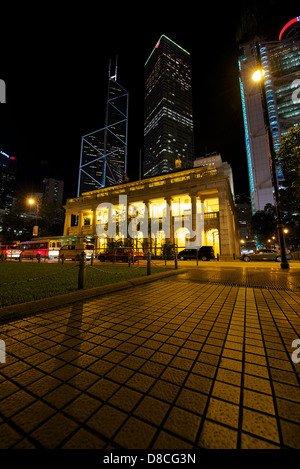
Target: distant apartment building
{"points": [[53, 191]]}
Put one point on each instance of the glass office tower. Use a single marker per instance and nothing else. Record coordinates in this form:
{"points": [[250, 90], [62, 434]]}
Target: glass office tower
{"points": [[8, 173], [168, 111], [103, 158], [281, 64]]}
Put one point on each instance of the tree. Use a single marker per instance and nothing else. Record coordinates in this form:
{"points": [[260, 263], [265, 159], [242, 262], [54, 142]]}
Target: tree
{"points": [[15, 225], [289, 161], [263, 224], [253, 18], [51, 219]]}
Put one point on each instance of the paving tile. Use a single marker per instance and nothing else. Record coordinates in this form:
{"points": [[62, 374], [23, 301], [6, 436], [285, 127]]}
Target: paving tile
{"points": [[251, 442], [261, 425], [152, 410], [83, 439], [223, 412], [164, 391], [167, 440], [15, 403], [183, 423], [52, 433], [43, 385], [7, 388], [135, 434], [107, 421], [140, 382], [227, 392], [290, 434], [126, 399], [103, 389], [173, 375], [61, 395], [288, 410], [8, 436], [32, 416], [216, 436], [258, 401], [192, 401], [82, 407], [199, 383], [257, 384]]}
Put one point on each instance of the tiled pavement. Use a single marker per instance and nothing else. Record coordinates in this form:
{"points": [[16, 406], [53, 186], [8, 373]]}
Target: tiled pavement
{"points": [[173, 364]]}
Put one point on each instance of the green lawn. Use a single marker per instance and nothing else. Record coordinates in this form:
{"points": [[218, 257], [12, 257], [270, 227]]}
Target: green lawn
{"points": [[27, 281]]}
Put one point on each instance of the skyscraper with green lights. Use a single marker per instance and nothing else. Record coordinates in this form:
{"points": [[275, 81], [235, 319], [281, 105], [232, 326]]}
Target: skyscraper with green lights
{"points": [[168, 110]]}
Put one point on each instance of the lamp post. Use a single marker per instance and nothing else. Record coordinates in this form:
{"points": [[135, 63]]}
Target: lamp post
{"points": [[258, 77], [35, 202]]}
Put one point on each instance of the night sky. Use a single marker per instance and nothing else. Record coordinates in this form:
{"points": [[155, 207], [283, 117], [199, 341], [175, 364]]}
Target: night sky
{"points": [[55, 66]]}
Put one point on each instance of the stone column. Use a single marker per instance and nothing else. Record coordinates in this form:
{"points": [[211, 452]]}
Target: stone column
{"points": [[67, 223], [193, 197], [147, 240], [171, 219], [226, 235], [80, 224]]}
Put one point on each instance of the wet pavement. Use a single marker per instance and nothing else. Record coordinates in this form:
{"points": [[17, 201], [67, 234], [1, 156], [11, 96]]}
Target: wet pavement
{"points": [[258, 275], [199, 360]]}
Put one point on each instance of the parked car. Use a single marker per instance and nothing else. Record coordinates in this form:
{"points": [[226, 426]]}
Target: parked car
{"points": [[263, 255], [120, 254], [73, 251], [205, 253]]}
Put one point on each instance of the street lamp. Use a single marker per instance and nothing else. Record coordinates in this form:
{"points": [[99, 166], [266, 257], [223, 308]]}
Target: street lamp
{"points": [[33, 202], [258, 77]]}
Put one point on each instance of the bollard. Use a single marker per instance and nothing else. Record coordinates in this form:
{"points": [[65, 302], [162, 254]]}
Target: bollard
{"points": [[149, 263], [81, 273], [176, 264], [92, 258], [20, 258], [129, 259]]}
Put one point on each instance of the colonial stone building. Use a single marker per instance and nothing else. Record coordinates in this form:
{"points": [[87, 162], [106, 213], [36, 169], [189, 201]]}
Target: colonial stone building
{"points": [[183, 198]]}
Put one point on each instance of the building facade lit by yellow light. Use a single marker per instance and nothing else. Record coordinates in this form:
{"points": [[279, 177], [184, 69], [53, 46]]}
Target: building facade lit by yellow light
{"points": [[182, 195]]}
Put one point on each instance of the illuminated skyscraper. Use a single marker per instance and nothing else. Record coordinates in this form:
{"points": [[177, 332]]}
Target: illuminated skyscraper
{"points": [[281, 64], [103, 158], [7, 179], [168, 112]]}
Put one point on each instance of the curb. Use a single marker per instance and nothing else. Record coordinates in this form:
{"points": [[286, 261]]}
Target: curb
{"points": [[22, 310]]}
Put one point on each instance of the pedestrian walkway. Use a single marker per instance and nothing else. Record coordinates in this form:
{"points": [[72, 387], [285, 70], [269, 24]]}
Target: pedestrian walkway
{"points": [[173, 364]]}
